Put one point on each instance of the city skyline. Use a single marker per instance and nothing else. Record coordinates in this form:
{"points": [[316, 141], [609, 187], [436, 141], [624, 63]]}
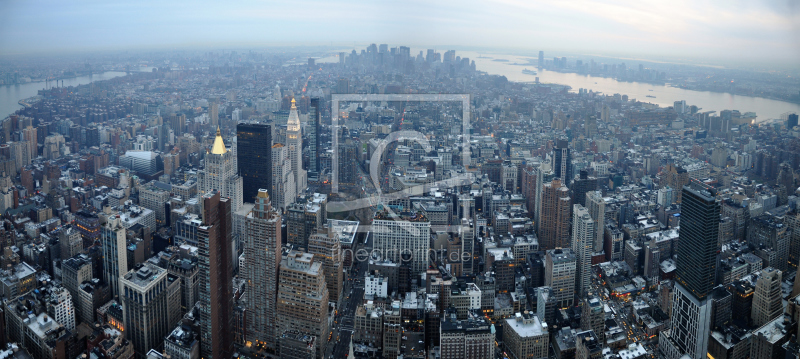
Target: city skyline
{"points": [[740, 31]]}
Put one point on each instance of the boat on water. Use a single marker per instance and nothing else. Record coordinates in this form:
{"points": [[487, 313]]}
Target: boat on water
{"points": [[528, 72], [651, 96]]}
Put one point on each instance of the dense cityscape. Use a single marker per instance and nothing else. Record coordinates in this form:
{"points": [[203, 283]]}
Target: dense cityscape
{"points": [[384, 202]]}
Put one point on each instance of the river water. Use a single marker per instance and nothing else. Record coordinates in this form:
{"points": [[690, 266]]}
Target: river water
{"points": [[764, 108], [11, 94]]}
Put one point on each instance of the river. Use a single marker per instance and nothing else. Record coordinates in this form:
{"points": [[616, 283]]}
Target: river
{"points": [[11, 94], [765, 109]]}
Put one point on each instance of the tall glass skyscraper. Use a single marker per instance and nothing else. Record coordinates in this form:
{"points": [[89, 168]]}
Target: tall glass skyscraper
{"points": [[254, 152], [692, 300]]}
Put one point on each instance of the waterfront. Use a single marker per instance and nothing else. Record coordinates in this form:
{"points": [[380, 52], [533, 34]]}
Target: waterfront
{"points": [[765, 109], [11, 94]]}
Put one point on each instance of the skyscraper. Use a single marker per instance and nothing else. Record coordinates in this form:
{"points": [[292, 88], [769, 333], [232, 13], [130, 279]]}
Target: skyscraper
{"points": [[541, 59], [555, 211], [328, 249], [405, 236], [216, 286], [582, 185], [262, 253], [254, 158], [767, 301], [583, 235], [314, 114], [303, 298], [696, 269], [562, 161], [294, 144], [115, 253], [597, 209], [147, 303], [559, 274], [219, 174]]}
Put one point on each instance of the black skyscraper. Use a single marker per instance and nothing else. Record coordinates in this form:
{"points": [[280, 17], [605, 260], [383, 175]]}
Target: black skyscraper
{"points": [[562, 162], [313, 135], [581, 186], [697, 249], [254, 156], [792, 121]]}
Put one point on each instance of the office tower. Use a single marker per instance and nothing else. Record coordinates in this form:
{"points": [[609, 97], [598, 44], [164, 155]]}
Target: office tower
{"points": [[696, 269], [216, 292], [466, 339], [262, 253], [254, 158], [767, 301], [115, 255], [593, 316], [791, 121], [303, 298], [559, 274], [392, 330], [581, 186], [405, 235], [70, 241], [555, 212], [314, 115], [213, 112], [597, 209], [562, 161], [341, 58], [147, 302], [220, 175], [583, 236], [283, 180], [541, 59], [294, 145], [328, 249], [526, 336]]}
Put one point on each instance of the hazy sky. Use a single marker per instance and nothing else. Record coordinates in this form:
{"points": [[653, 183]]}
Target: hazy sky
{"points": [[768, 30]]}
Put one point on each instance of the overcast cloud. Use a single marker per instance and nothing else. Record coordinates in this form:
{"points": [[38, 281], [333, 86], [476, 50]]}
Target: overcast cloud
{"points": [[767, 30]]}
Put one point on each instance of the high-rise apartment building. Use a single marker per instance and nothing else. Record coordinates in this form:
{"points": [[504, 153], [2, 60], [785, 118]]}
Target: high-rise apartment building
{"points": [[583, 236], [695, 275], [148, 299], [559, 275], [405, 236], [219, 173], [555, 216], [314, 119], [70, 242], [597, 209], [283, 180], [75, 271], [262, 253], [216, 283], [303, 298], [767, 298], [562, 162], [254, 158], [115, 253]]}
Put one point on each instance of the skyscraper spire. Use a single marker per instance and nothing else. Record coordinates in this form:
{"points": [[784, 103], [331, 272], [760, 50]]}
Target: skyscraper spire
{"points": [[294, 119]]}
